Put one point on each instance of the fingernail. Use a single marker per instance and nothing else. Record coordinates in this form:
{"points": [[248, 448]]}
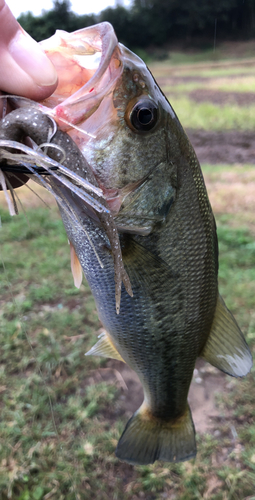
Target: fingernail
{"points": [[31, 59]]}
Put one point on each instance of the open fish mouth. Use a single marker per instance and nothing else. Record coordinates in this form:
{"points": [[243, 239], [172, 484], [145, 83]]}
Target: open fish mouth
{"points": [[88, 63], [89, 104]]}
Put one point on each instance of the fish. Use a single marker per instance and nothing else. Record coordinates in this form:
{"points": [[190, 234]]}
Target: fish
{"points": [[110, 105]]}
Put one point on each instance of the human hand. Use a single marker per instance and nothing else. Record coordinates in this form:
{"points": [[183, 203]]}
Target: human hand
{"points": [[25, 69]]}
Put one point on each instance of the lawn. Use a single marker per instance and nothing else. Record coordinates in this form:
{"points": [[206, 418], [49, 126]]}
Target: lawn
{"points": [[60, 420], [61, 412]]}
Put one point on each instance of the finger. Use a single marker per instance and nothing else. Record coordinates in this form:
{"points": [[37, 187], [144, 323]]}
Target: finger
{"points": [[25, 69]]}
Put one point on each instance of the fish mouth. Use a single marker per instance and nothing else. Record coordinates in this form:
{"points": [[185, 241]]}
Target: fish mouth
{"points": [[93, 61], [88, 63]]}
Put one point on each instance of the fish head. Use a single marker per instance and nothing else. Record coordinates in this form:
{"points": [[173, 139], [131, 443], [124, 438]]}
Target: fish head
{"points": [[109, 103]]}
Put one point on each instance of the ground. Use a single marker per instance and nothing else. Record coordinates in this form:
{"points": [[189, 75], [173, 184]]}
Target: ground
{"points": [[207, 380], [231, 191], [223, 147]]}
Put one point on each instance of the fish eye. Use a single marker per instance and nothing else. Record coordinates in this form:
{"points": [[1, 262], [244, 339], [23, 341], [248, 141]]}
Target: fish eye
{"points": [[144, 115]]}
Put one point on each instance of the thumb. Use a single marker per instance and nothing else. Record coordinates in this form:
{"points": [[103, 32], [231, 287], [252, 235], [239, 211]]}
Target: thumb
{"points": [[25, 69]]}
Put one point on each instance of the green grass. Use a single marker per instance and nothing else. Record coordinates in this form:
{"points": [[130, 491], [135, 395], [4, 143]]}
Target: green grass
{"points": [[234, 84], [209, 55], [184, 58], [216, 71], [209, 116], [59, 423], [172, 88]]}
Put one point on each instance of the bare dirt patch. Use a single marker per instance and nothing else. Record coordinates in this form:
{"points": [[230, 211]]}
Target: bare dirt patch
{"points": [[223, 147]]}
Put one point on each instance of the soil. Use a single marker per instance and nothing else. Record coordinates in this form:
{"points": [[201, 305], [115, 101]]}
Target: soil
{"points": [[215, 147], [223, 147]]}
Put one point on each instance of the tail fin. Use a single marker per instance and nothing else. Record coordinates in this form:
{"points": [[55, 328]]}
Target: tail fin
{"points": [[146, 439]]}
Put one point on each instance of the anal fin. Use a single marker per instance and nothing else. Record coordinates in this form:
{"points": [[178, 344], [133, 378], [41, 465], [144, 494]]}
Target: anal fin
{"points": [[105, 348], [226, 347]]}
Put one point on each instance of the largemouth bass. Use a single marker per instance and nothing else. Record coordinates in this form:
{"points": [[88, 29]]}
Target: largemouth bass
{"points": [[110, 105]]}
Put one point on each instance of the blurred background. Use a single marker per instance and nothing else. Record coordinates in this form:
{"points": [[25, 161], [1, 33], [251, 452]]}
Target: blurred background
{"points": [[143, 23]]}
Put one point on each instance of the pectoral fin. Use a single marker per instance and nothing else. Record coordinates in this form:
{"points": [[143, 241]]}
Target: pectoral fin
{"points": [[75, 267], [105, 348], [226, 347]]}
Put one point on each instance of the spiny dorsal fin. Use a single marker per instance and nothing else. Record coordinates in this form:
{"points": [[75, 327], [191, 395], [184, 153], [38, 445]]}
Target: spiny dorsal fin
{"points": [[226, 347], [105, 348], [75, 267]]}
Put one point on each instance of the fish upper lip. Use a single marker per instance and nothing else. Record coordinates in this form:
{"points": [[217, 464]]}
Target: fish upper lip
{"points": [[78, 106]]}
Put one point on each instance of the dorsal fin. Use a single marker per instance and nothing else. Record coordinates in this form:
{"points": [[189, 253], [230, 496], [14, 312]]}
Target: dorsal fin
{"points": [[226, 347]]}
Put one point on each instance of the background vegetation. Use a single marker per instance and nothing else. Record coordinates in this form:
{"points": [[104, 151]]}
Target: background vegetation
{"points": [[154, 23]]}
